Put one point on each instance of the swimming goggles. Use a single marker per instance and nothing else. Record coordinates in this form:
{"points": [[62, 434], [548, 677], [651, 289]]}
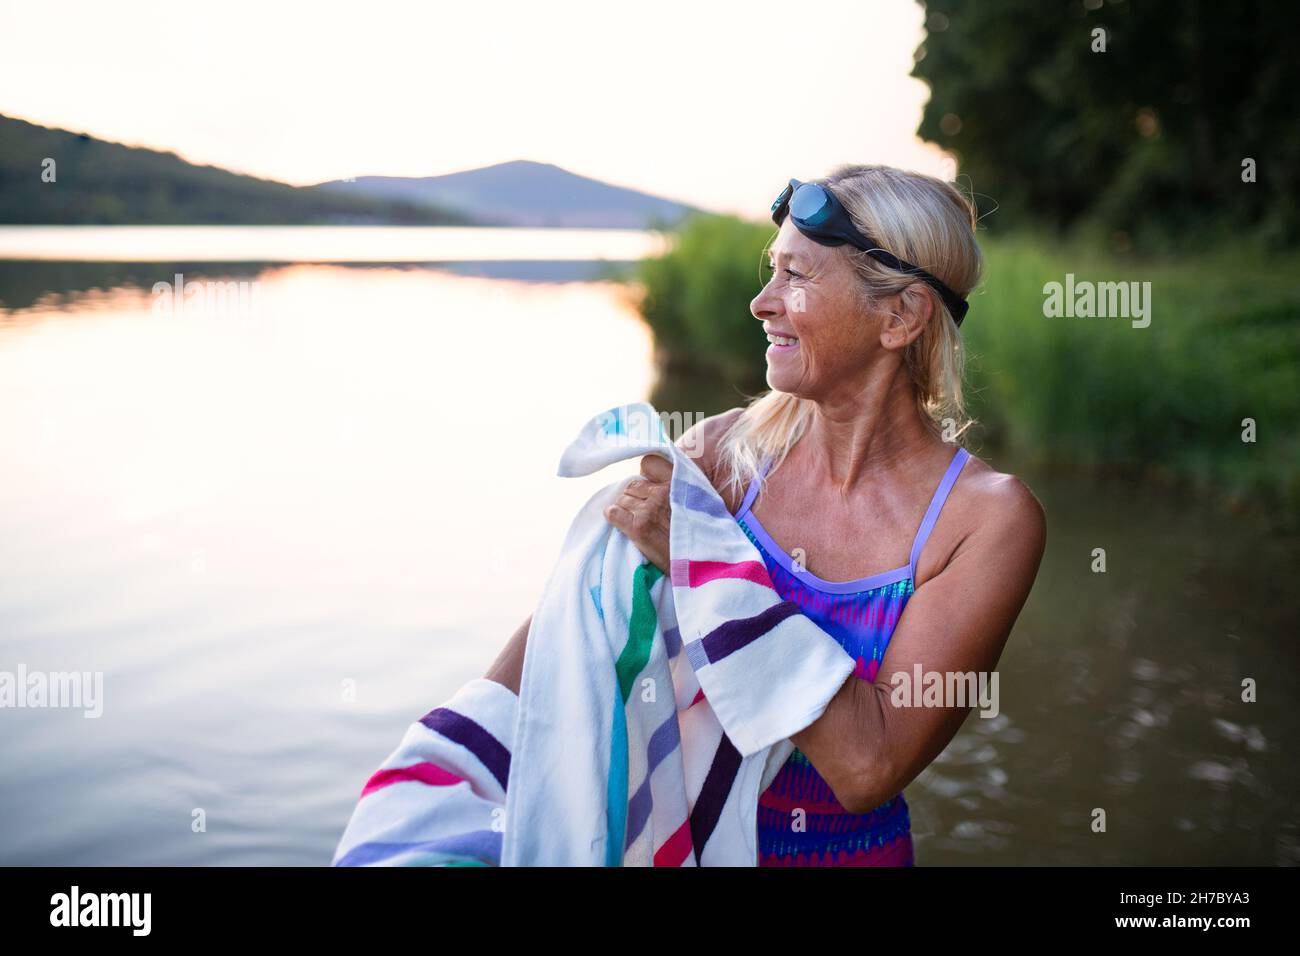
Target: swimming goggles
{"points": [[822, 218]]}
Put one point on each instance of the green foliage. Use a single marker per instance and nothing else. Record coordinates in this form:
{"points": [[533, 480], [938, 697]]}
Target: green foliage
{"points": [[1169, 399], [1223, 345], [1140, 146], [696, 297], [99, 183]]}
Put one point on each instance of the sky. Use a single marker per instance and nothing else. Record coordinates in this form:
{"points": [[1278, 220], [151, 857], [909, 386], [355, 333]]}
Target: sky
{"points": [[716, 103]]}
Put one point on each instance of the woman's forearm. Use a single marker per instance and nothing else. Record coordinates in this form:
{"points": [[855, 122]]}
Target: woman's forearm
{"points": [[508, 668]]}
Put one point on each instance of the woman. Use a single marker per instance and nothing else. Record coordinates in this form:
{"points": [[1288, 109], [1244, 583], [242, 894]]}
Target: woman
{"points": [[849, 466]]}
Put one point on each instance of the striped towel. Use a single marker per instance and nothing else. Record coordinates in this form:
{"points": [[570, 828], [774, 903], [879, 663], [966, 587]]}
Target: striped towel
{"points": [[652, 712]]}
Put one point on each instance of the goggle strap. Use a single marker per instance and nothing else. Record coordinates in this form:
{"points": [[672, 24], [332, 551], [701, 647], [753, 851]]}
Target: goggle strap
{"points": [[955, 303]]}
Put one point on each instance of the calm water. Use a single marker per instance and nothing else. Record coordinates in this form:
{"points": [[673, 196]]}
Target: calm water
{"points": [[241, 514], [319, 243]]}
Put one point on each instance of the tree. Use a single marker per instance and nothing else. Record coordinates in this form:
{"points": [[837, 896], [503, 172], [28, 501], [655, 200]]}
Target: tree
{"points": [[1142, 143]]}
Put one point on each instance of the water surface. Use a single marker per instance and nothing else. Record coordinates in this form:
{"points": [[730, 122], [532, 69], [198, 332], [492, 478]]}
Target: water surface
{"points": [[283, 533]]}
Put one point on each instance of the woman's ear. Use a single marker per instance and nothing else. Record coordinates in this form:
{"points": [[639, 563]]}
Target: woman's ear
{"points": [[909, 312]]}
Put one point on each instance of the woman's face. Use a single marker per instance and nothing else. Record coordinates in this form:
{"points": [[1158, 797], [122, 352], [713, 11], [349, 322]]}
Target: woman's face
{"points": [[812, 297]]}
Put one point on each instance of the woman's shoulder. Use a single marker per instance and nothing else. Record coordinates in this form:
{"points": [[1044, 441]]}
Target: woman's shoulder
{"points": [[998, 504], [703, 441], [992, 518]]}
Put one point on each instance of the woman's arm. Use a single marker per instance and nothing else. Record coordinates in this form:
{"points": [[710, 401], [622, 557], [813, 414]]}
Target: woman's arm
{"points": [[508, 668], [958, 621]]}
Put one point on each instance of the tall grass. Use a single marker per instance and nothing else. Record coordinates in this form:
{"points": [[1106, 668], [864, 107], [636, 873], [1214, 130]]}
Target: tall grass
{"points": [[1223, 345], [1167, 400], [696, 299]]}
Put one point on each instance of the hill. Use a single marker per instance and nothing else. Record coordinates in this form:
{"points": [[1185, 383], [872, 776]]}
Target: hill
{"points": [[523, 193], [98, 182]]}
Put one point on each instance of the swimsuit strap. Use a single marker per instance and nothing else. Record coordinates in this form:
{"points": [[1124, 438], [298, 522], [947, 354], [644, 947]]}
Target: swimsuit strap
{"points": [[752, 491], [959, 460]]}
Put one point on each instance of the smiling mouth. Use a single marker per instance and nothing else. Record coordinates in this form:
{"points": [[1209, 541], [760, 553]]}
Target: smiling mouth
{"points": [[782, 343]]}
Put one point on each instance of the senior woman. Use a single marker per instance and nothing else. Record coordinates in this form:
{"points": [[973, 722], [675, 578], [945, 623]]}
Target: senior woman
{"points": [[848, 478]]}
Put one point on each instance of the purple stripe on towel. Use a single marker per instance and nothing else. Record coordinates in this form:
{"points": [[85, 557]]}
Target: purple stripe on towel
{"points": [[705, 501], [717, 787], [478, 844], [459, 729], [662, 742], [730, 636]]}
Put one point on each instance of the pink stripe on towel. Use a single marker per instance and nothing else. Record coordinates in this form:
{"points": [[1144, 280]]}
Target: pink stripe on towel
{"points": [[692, 574], [427, 773]]}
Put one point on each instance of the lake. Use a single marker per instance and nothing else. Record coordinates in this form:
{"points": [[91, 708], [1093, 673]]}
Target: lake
{"points": [[288, 520]]}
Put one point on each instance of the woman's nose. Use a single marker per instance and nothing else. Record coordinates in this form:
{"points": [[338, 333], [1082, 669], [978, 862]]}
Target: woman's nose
{"points": [[764, 305]]}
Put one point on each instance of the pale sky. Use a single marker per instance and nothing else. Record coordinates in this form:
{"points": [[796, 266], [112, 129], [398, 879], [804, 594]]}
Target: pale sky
{"points": [[713, 103]]}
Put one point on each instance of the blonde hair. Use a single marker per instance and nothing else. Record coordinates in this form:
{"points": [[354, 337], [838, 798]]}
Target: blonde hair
{"points": [[918, 218]]}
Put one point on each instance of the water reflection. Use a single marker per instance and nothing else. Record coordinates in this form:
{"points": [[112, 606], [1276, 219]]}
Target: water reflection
{"points": [[232, 515], [1122, 693], [322, 243]]}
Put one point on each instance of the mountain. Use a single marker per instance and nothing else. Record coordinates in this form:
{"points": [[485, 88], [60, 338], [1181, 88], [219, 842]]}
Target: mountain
{"points": [[98, 182], [523, 193]]}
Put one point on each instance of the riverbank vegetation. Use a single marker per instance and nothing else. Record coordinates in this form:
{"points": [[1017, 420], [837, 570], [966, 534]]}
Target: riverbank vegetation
{"points": [[1168, 401]]}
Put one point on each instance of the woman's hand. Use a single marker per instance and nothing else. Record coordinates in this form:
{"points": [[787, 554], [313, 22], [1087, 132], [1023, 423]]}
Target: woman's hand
{"points": [[642, 511], [643, 514]]}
